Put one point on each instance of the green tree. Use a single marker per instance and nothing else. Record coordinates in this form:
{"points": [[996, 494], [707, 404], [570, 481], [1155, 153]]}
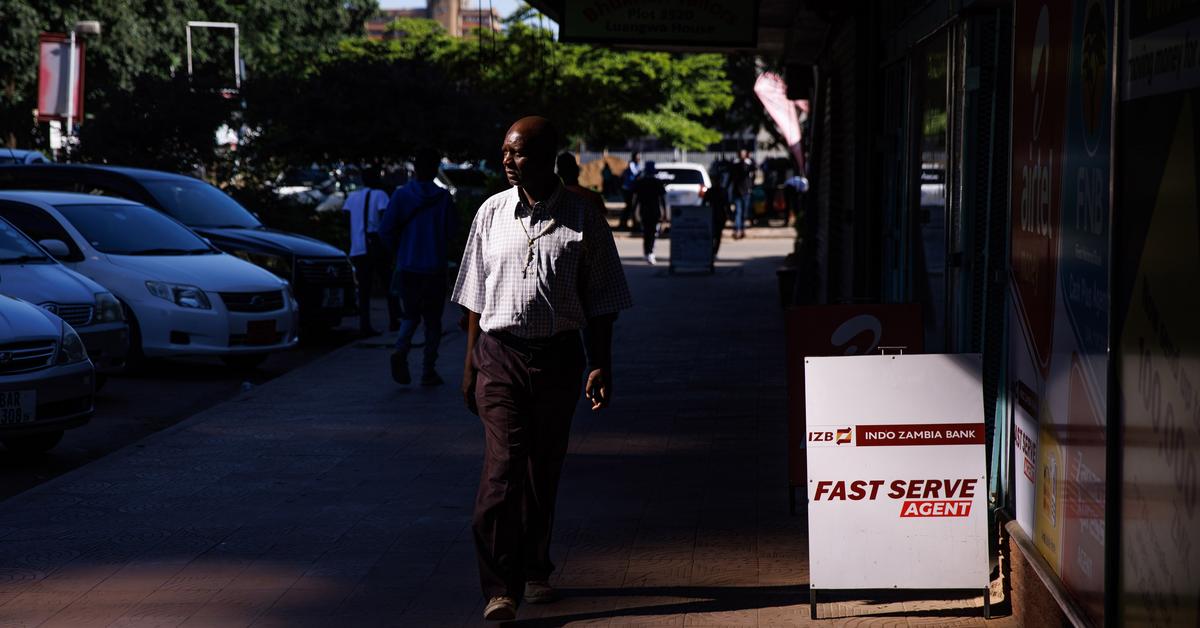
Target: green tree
{"points": [[596, 94], [143, 45]]}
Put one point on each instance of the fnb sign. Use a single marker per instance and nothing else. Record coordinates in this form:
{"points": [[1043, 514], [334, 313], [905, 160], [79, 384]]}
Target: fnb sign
{"points": [[936, 508]]}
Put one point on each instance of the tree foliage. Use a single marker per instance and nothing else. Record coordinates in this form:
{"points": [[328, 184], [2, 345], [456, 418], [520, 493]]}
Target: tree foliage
{"points": [[317, 90], [136, 69]]}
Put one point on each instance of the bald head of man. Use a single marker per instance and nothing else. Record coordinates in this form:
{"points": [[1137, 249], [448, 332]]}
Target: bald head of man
{"points": [[528, 154]]}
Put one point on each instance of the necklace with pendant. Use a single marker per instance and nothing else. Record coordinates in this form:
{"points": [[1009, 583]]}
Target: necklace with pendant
{"points": [[531, 239]]}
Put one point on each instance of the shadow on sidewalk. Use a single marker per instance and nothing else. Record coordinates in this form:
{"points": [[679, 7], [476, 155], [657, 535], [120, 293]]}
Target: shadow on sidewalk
{"points": [[691, 600]]}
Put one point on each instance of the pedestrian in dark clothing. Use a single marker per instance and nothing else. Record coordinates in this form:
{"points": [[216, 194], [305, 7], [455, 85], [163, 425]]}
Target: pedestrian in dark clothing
{"points": [[419, 223], [610, 183], [650, 197], [365, 207], [632, 172], [742, 182], [718, 201], [539, 266]]}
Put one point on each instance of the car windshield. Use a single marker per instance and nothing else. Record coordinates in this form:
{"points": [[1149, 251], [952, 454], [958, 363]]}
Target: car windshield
{"points": [[16, 248], [198, 204], [680, 175], [125, 229]]}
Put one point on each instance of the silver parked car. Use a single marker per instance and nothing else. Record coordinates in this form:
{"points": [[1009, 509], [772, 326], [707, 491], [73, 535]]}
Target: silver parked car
{"points": [[28, 273], [46, 379]]}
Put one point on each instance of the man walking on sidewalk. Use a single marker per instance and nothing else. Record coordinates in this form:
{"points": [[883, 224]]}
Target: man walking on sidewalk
{"points": [[650, 199], [742, 182], [632, 171], [539, 266], [418, 225], [365, 207]]}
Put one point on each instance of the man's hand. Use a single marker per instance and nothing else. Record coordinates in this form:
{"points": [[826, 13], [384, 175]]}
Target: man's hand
{"points": [[468, 390], [598, 388], [470, 373]]}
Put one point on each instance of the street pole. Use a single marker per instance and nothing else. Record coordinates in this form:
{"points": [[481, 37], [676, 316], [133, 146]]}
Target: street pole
{"points": [[70, 93]]}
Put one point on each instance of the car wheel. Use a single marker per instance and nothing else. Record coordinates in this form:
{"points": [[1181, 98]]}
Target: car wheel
{"points": [[244, 362], [34, 443]]}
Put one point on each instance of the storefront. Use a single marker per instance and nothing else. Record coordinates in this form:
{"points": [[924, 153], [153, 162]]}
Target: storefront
{"points": [[997, 137], [1025, 171]]}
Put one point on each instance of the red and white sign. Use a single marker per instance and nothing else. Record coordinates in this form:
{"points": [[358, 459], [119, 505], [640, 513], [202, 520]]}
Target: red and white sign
{"points": [[841, 329], [54, 71], [1042, 37], [897, 490]]}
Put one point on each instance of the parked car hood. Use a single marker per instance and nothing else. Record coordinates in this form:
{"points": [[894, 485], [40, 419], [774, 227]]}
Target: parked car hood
{"points": [[214, 273], [270, 240], [21, 321], [42, 283]]}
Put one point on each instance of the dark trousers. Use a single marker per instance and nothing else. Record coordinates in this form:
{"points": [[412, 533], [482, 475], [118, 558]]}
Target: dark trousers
{"points": [[649, 230], [526, 397], [424, 298], [627, 214], [376, 263]]}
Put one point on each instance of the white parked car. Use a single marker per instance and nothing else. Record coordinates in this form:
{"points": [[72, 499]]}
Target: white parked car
{"points": [[28, 273], [181, 295], [686, 183], [46, 380]]}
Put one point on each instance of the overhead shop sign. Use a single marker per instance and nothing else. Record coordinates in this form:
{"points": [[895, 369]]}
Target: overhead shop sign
{"points": [[704, 23], [896, 483]]}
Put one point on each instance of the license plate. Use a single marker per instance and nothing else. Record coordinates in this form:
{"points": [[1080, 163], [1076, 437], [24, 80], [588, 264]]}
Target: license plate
{"points": [[260, 332], [17, 406], [333, 297]]}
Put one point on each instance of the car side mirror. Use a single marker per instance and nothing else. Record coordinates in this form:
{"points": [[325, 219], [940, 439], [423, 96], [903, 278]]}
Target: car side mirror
{"points": [[56, 248]]}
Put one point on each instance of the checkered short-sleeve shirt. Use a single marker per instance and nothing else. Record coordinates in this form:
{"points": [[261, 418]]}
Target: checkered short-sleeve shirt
{"points": [[575, 273]]}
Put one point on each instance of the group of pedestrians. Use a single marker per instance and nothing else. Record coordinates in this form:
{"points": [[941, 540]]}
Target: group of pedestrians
{"points": [[403, 240], [645, 196]]}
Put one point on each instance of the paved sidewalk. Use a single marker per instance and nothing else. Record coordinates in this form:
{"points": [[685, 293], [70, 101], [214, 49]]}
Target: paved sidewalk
{"points": [[333, 497]]}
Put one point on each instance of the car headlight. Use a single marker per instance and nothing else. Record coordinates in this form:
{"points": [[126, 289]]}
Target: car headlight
{"points": [[277, 264], [108, 309], [71, 349], [291, 295], [179, 294]]}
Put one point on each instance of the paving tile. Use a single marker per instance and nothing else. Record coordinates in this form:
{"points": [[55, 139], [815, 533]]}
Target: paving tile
{"points": [[95, 609], [163, 608], [33, 608], [747, 617], [735, 572], [592, 573], [234, 607], [657, 572]]}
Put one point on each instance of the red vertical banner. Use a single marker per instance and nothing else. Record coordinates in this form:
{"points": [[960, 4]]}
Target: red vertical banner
{"points": [[1042, 32], [54, 71]]}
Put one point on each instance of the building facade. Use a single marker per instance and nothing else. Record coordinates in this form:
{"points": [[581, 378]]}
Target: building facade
{"points": [[448, 13], [1025, 171]]}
